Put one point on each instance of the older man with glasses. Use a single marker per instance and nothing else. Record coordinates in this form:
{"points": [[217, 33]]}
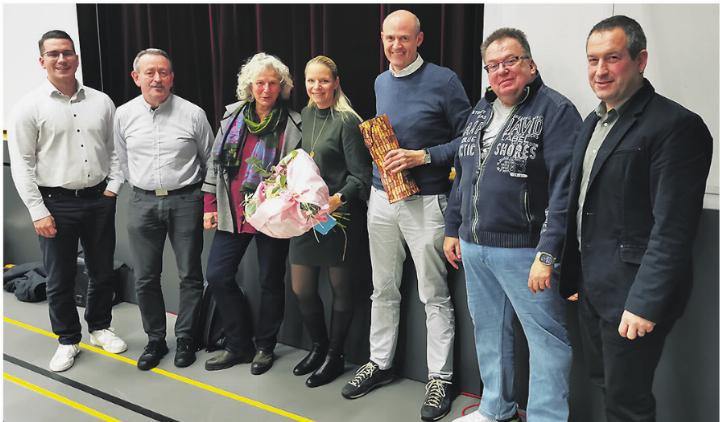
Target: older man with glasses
{"points": [[505, 221]]}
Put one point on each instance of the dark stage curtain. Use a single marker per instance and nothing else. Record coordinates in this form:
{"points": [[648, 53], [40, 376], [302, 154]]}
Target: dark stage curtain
{"points": [[209, 42]]}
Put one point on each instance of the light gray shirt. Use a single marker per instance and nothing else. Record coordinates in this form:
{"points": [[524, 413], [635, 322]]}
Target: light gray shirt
{"points": [[60, 141], [501, 112], [165, 148], [602, 128]]}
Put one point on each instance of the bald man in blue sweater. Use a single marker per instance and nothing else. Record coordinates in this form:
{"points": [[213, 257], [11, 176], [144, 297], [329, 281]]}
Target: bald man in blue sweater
{"points": [[427, 107]]}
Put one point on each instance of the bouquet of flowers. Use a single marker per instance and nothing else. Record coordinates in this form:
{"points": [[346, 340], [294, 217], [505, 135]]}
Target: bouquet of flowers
{"points": [[291, 199]]}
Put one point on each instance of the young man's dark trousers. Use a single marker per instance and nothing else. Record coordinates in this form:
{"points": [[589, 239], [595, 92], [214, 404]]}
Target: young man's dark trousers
{"points": [[89, 218]]}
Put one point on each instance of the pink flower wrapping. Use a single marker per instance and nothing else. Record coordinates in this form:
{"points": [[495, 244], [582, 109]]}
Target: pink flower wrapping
{"points": [[292, 200]]}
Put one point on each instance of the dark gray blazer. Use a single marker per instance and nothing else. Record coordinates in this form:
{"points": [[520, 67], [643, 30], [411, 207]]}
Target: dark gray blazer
{"points": [[641, 211]]}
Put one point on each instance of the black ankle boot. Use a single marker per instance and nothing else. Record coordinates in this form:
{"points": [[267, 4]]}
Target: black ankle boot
{"points": [[312, 361], [332, 368]]}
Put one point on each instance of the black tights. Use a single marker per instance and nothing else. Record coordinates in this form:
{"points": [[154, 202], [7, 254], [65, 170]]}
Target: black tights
{"points": [[305, 281]]}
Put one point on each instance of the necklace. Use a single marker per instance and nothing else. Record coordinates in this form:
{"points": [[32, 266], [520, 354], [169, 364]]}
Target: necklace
{"points": [[313, 139]]}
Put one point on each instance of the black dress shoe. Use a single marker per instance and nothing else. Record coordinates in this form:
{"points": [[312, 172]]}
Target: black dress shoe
{"points": [[312, 361], [154, 351], [332, 368], [226, 359], [185, 352], [262, 362]]}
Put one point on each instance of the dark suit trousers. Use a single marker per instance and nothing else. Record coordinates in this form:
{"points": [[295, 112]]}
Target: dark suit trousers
{"points": [[151, 219], [226, 253], [92, 221], [623, 368]]}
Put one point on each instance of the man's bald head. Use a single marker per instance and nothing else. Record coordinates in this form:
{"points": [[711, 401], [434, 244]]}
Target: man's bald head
{"points": [[403, 15], [401, 36]]}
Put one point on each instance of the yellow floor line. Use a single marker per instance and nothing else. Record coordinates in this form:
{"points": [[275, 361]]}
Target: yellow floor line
{"points": [[59, 398], [171, 375]]}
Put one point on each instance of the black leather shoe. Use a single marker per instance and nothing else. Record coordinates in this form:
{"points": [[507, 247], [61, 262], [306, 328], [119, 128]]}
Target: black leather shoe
{"points": [[150, 358], [262, 362], [312, 361], [185, 352], [332, 368], [226, 359]]}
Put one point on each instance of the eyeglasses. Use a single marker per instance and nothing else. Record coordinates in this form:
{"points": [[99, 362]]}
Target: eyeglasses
{"points": [[509, 62], [54, 54]]}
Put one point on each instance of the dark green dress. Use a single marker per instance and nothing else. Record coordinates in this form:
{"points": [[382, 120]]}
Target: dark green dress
{"points": [[346, 167]]}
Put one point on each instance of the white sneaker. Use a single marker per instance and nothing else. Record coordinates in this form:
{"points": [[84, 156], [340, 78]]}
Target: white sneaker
{"points": [[474, 417], [108, 340], [64, 357]]}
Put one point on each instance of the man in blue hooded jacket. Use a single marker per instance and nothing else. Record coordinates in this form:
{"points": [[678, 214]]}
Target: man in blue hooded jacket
{"points": [[505, 220]]}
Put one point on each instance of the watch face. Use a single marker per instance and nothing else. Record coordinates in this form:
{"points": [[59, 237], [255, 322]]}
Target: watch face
{"points": [[546, 259]]}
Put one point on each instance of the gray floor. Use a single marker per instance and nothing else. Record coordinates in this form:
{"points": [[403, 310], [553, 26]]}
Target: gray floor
{"points": [[251, 398]]}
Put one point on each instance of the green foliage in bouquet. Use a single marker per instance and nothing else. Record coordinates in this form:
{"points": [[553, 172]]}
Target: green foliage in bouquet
{"points": [[275, 180]]}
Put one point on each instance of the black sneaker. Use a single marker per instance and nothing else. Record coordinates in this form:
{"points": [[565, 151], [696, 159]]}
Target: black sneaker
{"points": [[367, 378], [438, 397]]}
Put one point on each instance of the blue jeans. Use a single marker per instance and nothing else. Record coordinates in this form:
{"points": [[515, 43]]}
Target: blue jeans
{"points": [[496, 280]]}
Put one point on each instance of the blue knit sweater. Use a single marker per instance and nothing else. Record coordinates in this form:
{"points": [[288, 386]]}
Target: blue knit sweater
{"points": [[427, 109]]}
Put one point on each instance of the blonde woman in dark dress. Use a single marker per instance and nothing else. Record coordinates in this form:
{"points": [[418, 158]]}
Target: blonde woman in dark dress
{"points": [[331, 136]]}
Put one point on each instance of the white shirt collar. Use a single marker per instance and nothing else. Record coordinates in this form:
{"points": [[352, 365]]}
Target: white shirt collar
{"points": [[149, 107], [410, 69], [51, 89]]}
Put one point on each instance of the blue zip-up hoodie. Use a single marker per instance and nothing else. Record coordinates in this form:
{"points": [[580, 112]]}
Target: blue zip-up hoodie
{"points": [[517, 198]]}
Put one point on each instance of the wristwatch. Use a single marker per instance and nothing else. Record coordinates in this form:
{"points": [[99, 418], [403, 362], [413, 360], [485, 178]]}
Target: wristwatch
{"points": [[427, 158], [545, 258]]}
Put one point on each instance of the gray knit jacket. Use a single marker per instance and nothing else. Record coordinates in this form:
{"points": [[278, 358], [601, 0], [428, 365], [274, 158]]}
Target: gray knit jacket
{"points": [[219, 186]]}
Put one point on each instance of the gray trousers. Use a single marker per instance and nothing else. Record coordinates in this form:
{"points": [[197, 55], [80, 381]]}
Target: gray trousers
{"points": [[151, 219], [418, 222]]}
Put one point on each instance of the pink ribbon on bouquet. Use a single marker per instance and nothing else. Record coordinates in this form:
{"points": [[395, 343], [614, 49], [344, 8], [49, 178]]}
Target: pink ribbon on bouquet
{"points": [[282, 216]]}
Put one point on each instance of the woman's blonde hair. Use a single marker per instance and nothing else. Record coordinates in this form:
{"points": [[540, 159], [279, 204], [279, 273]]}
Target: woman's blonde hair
{"points": [[340, 101], [255, 66]]}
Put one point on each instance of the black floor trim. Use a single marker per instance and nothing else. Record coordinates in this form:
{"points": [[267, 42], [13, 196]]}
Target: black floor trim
{"points": [[90, 390]]}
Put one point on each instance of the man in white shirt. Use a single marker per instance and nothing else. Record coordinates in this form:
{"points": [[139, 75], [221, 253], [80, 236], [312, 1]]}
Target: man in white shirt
{"points": [[163, 143], [67, 174]]}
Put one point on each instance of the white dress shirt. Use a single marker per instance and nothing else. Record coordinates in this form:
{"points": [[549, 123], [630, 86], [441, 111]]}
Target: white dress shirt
{"points": [[166, 148], [60, 141], [410, 69]]}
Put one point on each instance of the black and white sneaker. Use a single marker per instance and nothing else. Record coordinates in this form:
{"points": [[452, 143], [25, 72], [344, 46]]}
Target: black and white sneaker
{"points": [[367, 378], [438, 397]]}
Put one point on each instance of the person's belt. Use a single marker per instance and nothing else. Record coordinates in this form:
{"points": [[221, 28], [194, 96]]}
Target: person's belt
{"points": [[165, 192], [91, 192]]}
